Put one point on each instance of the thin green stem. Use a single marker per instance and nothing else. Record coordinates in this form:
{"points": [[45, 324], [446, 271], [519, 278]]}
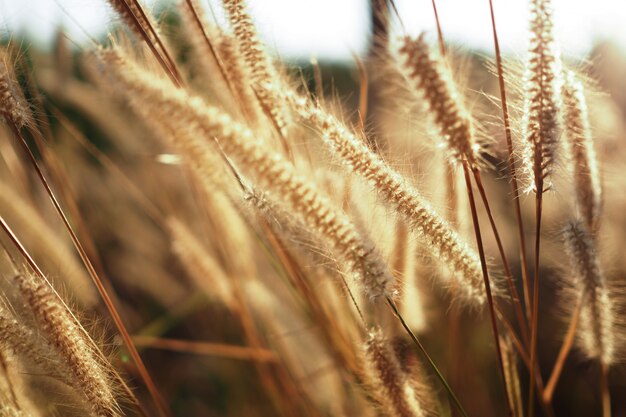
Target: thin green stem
{"points": [[422, 350]]}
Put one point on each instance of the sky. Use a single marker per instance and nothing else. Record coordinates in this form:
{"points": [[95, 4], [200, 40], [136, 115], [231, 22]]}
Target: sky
{"points": [[334, 29]]}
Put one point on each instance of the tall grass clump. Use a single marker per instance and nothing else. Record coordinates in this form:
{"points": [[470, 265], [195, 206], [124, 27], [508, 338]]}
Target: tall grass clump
{"points": [[193, 226]]}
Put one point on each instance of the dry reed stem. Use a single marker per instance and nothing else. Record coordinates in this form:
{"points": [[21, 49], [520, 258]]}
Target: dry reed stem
{"points": [[442, 240], [566, 346], [89, 376], [511, 164], [584, 162], [430, 79], [331, 225], [488, 291], [140, 22], [207, 348]]}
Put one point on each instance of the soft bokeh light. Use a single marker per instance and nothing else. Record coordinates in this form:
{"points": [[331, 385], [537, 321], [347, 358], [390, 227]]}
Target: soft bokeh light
{"points": [[333, 29]]}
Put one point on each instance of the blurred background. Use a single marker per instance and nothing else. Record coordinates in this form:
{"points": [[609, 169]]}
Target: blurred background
{"points": [[301, 28]]}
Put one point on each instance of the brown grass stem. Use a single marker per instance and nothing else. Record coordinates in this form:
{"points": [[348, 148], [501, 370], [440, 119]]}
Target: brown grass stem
{"points": [[363, 92], [523, 325], [490, 303], [60, 178], [511, 163], [505, 263], [534, 365], [566, 346], [206, 348]]}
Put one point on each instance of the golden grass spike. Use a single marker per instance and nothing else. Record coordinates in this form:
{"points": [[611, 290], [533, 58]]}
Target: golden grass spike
{"points": [[330, 225], [443, 241], [13, 106], [584, 162], [237, 77], [596, 329], [24, 343], [389, 383], [261, 72], [542, 83], [90, 379], [430, 80]]}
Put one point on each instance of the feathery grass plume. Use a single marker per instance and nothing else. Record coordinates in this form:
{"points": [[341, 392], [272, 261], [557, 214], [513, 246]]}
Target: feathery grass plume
{"points": [[47, 243], [442, 240], [584, 162], [205, 270], [24, 343], [596, 330], [542, 83], [236, 74], [261, 72], [430, 80], [330, 224], [13, 104], [90, 378], [390, 386]]}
